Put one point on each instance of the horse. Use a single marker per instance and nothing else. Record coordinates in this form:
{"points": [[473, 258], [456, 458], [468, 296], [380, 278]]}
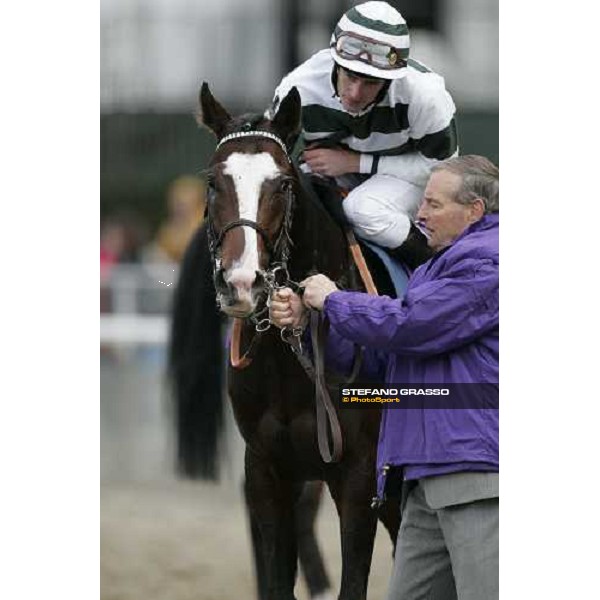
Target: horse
{"points": [[264, 231]]}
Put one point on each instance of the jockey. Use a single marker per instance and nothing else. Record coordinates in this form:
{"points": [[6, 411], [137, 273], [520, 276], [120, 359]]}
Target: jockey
{"points": [[377, 122]]}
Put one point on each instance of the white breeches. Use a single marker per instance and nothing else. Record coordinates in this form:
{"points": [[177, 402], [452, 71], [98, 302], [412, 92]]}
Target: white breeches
{"points": [[382, 208]]}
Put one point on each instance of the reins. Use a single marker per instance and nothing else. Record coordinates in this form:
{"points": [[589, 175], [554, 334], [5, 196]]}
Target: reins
{"points": [[261, 324]]}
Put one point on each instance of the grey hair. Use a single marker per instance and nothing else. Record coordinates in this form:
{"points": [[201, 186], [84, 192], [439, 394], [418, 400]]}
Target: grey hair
{"points": [[480, 178]]}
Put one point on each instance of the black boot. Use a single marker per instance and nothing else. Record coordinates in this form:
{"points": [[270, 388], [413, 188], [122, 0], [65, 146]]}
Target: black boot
{"points": [[414, 251]]}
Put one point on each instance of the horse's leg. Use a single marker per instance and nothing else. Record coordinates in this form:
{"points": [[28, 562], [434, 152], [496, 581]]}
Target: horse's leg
{"points": [[352, 493], [311, 560], [257, 555], [271, 502]]}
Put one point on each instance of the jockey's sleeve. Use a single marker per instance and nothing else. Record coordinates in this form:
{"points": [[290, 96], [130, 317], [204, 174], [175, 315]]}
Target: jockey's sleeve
{"points": [[433, 138]]}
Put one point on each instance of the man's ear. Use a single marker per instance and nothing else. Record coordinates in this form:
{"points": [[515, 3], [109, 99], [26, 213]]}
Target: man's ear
{"points": [[477, 209], [287, 120], [212, 114]]}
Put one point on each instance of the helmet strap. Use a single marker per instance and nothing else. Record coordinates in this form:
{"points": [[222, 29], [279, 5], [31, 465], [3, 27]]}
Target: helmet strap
{"points": [[383, 91]]}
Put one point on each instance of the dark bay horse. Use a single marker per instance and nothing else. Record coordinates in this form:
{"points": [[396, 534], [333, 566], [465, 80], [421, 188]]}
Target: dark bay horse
{"points": [[263, 231]]}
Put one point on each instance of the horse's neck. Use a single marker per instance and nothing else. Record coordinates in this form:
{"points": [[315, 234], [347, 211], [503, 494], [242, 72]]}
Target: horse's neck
{"points": [[318, 242]]}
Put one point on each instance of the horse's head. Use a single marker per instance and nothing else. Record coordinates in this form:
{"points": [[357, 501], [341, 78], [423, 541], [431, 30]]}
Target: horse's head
{"points": [[251, 188]]}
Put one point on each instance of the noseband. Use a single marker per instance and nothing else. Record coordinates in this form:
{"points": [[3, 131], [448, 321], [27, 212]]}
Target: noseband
{"points": [[276, 275]]}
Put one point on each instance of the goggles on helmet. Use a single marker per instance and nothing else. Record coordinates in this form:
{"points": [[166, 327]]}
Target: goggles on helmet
{"points": [[352, 46]]}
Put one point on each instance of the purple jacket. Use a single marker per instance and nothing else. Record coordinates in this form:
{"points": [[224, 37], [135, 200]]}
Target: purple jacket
{"points": [[445, 330]]}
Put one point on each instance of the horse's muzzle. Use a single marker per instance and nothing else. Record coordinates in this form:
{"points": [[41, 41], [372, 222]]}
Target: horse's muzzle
{"points": [[239, 293]]}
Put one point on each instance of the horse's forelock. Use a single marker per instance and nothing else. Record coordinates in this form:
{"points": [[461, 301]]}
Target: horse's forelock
{"points": [[248, 122]]}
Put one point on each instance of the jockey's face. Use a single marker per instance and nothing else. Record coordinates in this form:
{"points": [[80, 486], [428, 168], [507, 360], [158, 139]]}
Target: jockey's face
{"points": [[356, 93], [443, 217]]}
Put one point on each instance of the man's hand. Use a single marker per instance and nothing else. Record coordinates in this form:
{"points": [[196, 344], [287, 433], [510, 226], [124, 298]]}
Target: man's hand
{"points": [[316, 289], [286, 309], [330, 162]]}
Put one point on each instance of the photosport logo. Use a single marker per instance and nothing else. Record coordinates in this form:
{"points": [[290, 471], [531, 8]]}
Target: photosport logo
{"points": [[408, 395]]}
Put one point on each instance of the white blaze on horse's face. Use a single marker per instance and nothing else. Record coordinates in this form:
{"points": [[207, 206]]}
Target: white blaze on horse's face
{"points": [[249, 172]]}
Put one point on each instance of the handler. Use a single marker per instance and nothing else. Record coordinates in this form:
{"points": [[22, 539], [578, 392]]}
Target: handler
{"points": [[445, 330]]}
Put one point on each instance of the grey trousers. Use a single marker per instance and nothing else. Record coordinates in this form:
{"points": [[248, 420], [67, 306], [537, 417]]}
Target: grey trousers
{"points": [[449, 551]]}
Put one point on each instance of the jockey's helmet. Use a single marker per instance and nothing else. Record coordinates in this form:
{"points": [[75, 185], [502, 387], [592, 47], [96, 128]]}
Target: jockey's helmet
{"points": [[372, 39]]}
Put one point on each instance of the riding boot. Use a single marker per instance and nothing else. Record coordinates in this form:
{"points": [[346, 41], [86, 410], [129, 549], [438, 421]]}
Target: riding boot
{"points": [[414, 251]]}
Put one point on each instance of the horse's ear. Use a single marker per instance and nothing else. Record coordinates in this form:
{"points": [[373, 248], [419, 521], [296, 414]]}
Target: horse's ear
{"points": [[287, 120], [212, 114]]}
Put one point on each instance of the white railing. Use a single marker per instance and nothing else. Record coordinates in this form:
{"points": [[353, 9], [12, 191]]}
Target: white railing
{"points": [[135, 303]]}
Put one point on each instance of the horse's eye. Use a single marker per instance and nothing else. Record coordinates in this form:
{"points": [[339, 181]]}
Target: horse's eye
{"points": [[211, 196]]}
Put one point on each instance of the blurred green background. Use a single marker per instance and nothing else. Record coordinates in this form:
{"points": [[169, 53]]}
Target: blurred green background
{"points": [[142, 153]]}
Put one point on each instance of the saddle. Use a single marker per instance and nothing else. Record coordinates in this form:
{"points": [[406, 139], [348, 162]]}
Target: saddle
{"points": [[388, 275]]}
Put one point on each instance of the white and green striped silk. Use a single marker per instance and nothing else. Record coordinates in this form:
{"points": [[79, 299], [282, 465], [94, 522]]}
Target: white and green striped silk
{"points": [[407, 132]]}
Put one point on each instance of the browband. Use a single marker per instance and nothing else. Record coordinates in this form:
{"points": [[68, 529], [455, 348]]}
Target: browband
{"points": [[256, 133]]}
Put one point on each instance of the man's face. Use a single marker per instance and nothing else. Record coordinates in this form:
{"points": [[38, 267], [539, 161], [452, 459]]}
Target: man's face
{"points": [[444, 218], [356, 93]]}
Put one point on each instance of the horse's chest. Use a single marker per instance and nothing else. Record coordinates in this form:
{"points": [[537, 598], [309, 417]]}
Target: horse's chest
{"points": [[287, 437], [274, 406]]}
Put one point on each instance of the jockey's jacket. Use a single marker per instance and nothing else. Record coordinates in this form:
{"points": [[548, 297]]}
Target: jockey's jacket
{"points": [[404, 134]]}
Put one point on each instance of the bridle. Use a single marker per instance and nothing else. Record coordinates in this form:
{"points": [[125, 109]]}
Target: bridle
{"points": [[276, 275]]}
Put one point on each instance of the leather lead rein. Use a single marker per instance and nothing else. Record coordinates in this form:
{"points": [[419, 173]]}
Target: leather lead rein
{"points": [[326, 413]]}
